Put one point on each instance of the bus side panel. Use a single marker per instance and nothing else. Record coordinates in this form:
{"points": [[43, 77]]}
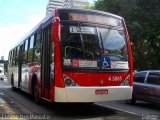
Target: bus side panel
{"points": [[35, 69], [24, 84], [52, 92], [13, 71], [9, 74]]}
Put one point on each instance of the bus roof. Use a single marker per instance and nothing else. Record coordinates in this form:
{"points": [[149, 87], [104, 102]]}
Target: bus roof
{"points": [[51, 15], [89, 11]]}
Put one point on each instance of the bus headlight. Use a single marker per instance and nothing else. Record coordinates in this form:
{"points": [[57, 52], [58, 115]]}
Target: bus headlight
{"points": [[68, 81]]}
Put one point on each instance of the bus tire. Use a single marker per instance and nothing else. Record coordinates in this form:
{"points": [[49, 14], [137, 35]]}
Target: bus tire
{"points": [[37, 99]]}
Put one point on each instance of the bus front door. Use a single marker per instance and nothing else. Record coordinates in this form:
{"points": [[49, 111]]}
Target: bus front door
{"points": [[46, 62]]}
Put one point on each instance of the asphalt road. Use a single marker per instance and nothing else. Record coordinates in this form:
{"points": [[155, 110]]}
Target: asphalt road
{"points": [[116, 110], [140, 108]]}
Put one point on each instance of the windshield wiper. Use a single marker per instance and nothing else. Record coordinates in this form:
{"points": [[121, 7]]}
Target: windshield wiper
{"points": [[101, 42], [106, 37], [81, 37]]}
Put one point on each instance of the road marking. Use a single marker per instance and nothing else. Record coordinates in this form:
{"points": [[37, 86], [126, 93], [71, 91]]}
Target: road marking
{"points": [[118, 109]]}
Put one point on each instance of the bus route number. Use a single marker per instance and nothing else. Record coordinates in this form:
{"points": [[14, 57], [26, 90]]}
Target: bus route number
{"points": [[115, 78]]}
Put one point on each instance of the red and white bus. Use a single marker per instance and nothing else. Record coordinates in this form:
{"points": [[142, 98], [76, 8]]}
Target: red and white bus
{"points": [[74, 55]]}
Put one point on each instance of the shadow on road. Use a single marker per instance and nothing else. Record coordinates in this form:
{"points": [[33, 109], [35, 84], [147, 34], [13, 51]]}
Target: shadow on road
{"points": [[72, 110], [79, 110], [69, 111]]}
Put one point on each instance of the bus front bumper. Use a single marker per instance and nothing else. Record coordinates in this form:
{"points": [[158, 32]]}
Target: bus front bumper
{"points": [[92, 94]]}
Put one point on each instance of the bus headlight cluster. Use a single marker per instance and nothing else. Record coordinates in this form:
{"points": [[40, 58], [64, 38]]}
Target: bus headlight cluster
{"points": [[126, 81], [69, 82]]}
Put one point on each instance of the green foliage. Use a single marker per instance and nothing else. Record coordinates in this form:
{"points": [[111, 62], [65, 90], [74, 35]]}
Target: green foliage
{"points": [[143, 21], [89, 7]]}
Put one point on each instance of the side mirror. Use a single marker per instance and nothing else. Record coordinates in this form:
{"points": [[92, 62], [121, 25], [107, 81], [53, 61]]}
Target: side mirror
{"points": [[56, 29]]}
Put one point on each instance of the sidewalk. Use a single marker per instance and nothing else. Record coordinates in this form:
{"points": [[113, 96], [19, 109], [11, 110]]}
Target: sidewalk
{"points": [[9, 108]]}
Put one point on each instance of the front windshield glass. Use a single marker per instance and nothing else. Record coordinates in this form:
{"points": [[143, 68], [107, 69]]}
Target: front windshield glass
{"points": [[94, 47], [79, 46], [113, 47]]}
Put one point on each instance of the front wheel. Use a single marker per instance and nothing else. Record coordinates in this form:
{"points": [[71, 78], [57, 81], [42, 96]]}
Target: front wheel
{"points": [[36, 94]]}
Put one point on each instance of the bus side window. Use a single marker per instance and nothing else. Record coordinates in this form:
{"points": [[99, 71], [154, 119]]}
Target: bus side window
{"points": [[17, 56], [25, 52], [38, 47], [30, 51], [14, 52], [11, 58]]}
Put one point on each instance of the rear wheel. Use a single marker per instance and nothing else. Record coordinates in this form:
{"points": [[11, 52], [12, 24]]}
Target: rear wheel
{"points": [[36, 94]]}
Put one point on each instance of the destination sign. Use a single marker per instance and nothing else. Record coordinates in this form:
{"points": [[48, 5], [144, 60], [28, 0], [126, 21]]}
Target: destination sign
{"points": [[84, 30], [82, 17]]}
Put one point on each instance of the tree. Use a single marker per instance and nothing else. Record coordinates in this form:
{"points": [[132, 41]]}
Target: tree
{"points": [[143, 21], [89, 7]]}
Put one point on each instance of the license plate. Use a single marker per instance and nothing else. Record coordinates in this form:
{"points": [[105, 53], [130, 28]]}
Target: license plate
{"points": [[101, 91]]}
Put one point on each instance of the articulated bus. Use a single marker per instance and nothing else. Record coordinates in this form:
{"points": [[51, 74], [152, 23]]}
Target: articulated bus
{"points": [[74, 55]]}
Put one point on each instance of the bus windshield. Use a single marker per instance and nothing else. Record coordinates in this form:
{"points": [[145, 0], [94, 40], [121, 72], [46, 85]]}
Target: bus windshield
{"points": [[94, 47]]}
